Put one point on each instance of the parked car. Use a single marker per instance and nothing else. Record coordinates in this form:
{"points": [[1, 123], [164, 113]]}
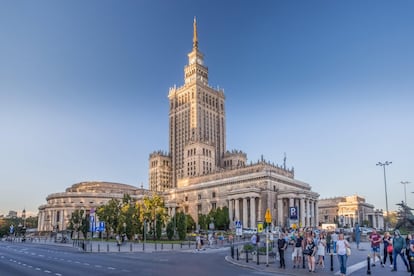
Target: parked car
{"points": [[366, 230]]}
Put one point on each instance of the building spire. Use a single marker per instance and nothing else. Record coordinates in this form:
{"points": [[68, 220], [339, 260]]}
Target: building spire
{"points": [[195, 39]]}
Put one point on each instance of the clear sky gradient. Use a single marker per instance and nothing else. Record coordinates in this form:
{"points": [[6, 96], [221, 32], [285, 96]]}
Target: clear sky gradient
{"points": [[84, 84]]}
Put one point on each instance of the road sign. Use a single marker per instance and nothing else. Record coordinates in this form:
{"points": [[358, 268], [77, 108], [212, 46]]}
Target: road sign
{"points": [[101, 226], [259, 227], [293, 213], [238, 224], [239, 232], [268, 216]]}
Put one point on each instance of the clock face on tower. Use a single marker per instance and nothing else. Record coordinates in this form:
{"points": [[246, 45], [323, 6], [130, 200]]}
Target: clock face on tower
{"points": [[192, 60], [199, 61]]}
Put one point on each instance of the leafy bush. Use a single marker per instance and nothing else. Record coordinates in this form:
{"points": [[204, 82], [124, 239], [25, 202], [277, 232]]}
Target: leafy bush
{"points": [[248, 247]]}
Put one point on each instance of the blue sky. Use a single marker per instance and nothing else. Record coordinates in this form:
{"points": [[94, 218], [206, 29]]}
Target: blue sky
{"points": [[84, 84]]}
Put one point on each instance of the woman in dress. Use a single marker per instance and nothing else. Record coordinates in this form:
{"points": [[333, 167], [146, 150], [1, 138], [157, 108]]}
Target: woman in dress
{"points": [[321, 250]]}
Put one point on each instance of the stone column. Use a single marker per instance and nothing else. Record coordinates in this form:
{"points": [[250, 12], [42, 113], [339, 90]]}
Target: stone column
{"points": [[63, 219], [311, 213], [231, 211], [316, 213], [252, 212], [237, 209], [302, 212], [291, 202], [307, 213], [260, 212], [280, 212], [244, 211]]}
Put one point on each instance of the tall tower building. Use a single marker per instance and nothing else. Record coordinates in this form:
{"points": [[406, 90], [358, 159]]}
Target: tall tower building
{"points": [[197, 121]]}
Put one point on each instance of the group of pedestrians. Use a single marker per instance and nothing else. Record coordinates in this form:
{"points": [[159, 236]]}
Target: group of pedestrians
{"points": [[310, 246], [393, 246]]}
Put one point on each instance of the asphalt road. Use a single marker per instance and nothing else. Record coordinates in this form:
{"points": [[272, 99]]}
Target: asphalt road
{"points": [[39, 259]]}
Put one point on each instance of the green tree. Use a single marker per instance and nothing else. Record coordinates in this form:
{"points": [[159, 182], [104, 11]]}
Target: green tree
{"points": [[158, 226], [110, 213], [181, 225], [170, 230], [190, 225], [150, 208], [79, 222], [203, 221]]}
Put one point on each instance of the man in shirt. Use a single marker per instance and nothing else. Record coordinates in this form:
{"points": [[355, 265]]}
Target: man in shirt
{"points": [[375, 240]]}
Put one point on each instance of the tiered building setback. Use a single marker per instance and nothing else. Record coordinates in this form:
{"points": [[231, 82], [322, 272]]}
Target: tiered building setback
{"points": [[199, 174]]}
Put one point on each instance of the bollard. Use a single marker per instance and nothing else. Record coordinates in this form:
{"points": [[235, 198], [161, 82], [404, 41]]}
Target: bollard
{"points": [[303, 260], [130, 247], [155, 246], [143, 246], [99, 247], [189, 244], [107, 248], [119, 247], [247, 256], [172, 246], [162, 246], [257, 255], [181, 245], [237, 253], [232, 251], [331, 261], [369, 264], [91, 247]]}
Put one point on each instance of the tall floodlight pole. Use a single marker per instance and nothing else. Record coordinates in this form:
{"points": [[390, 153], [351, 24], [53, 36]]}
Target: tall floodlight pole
{"points": [[405, 190], [386, 163]]}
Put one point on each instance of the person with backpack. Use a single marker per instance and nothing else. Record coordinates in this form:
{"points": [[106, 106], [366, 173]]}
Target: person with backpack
{"points": [[282, 245]]}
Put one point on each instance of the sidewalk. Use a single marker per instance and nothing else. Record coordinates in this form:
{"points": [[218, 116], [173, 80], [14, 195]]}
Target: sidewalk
{"points": [[356, 264]]}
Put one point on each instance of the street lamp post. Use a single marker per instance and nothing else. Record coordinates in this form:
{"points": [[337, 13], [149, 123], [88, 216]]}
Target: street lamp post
{"points": [[405, 190], [386, 163]]}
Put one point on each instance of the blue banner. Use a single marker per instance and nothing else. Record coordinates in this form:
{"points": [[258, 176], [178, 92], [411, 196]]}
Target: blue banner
{"points": [[293, 213]]}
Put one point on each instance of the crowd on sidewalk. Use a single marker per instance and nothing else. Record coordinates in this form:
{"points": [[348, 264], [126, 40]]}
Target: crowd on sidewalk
{"points": [[311, 246]]}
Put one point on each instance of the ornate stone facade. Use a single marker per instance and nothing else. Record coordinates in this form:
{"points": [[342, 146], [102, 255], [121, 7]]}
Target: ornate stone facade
{"points": [[55, 215], [348, 210], [204, 175], [198, 174]]}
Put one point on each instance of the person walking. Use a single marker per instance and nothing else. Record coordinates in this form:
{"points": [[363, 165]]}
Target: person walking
{"points": [[282, 245], [341, 246], [310, 250], [297, 251], [334, 238], [328, 242], [321, 250], [411, 254], [387, 242], [407, 249], [357, 234], [398, 243], [375, 240]]}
